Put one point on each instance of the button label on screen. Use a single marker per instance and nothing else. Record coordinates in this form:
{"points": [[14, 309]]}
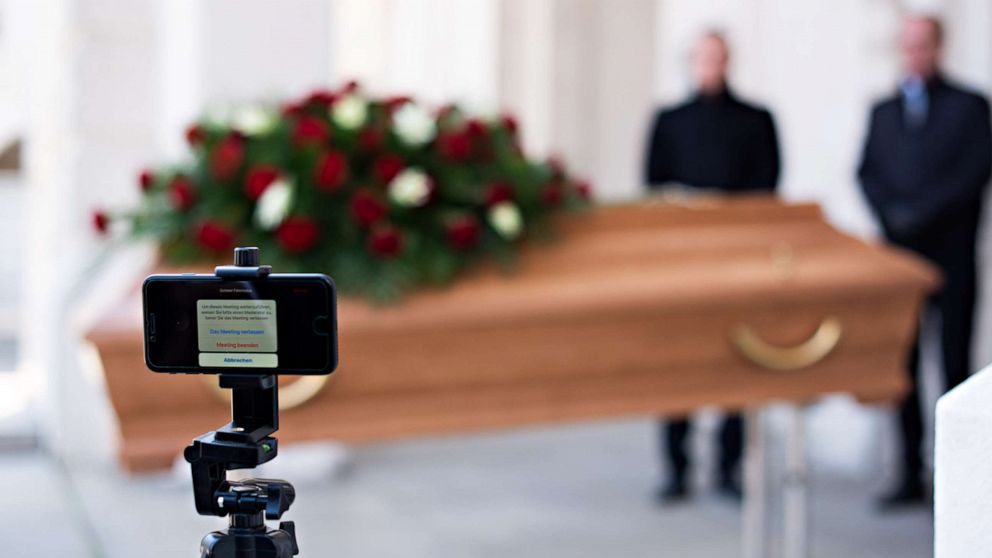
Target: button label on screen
{"points": [[239, 360]]}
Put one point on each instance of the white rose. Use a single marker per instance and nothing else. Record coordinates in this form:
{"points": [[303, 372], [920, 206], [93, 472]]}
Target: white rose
{"points": [[410, 188], [350, 112], [505, 217], [273, 205], [252, 120], [414, 125], [217, 115]]}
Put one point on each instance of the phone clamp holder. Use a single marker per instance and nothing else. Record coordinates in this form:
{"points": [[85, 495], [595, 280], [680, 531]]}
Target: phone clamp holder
{"points": [[244, 443]]}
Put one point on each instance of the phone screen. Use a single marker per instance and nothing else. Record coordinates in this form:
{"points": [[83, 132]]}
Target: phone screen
{"points": [[283, 324], [237, 332]]}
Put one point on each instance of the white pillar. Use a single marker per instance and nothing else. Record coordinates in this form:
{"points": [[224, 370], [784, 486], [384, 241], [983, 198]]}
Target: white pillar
{"points": [[625, 77], [526, 63], [49, 150], [580, 75], [91, 125], [264, 49], [438, 51]]}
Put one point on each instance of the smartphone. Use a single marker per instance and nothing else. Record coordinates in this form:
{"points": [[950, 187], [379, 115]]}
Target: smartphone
{"points": [[284, 323]]}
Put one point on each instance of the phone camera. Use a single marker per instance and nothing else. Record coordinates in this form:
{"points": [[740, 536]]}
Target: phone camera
{"points": [[182, 323]]}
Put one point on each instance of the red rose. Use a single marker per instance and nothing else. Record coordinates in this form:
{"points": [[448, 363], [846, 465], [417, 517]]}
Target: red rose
{"points": [[509, 122], [214, 236], [463, 232], [195, 135], [386, 167], [371, 139], [146, 179], [475, 128], [100, 221], [385, 242], [397, 101], [258, 179], [227, 156], [331, 171], [293, 109], [498, 192], [584, 189], [455, 146], [297, 234], [310, 130], [181, 193], [366, 208], [553, 193], [322, 98]]}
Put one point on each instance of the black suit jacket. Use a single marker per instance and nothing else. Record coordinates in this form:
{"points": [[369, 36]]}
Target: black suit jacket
{"points": [[926, 183], [714, 142]]}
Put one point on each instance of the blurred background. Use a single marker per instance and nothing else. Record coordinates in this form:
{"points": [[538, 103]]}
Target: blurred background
{"points": [[92, 91]]}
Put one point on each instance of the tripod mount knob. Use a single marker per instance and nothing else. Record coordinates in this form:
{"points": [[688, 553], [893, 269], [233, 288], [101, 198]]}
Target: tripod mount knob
{"points": [[246, 256]]}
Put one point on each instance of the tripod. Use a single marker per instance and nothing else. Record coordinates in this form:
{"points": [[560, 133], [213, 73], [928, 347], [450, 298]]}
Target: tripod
{"points": [[244, 443]]}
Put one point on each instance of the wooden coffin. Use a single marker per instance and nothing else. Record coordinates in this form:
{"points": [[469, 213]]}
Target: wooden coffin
{"points": [[641, 309]]}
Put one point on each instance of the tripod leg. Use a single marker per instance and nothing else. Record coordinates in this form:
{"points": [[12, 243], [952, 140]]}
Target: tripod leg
{"points": [[796, 515], [755, 528]]}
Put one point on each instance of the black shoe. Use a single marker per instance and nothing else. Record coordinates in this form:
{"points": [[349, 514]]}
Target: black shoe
{"points": [[909, 493], [729, 487], [674, 492]]}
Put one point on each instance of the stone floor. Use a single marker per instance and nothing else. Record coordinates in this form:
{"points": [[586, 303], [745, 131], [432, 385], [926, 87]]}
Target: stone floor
{"points": [[576, 491]]}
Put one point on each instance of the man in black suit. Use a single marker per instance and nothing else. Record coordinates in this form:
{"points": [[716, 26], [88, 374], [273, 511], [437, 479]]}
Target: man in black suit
{"points": [[716, 141], [925, 166]]}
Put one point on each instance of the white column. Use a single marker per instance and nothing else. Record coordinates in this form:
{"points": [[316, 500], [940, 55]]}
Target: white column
{"points": [[92, 124], [526, 51], [180, 56], [625, 78], [264, 49], [438, 51], [361, 41], [48, 151], [580, 75]]}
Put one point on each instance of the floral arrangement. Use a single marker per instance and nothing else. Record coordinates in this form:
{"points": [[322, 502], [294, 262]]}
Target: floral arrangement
{"points": [[379, 193]]}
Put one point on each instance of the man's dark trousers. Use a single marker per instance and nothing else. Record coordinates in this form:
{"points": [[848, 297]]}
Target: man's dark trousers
{"points": [[676, 433], [955, 303]]}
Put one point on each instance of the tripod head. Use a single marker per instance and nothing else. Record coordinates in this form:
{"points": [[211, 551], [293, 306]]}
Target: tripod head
{"points": [[254, 496], [244, 443]]}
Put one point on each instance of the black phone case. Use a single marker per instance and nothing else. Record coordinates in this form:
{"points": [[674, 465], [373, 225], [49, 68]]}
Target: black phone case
{"points": [[332, 318]]}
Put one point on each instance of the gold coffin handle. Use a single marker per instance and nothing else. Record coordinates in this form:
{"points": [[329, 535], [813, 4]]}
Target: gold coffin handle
{"points": [[290, 396], [803, 355]]}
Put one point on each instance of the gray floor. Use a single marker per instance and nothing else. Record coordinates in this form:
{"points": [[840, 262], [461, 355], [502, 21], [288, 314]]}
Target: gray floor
{"points": [[577, 491]]}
